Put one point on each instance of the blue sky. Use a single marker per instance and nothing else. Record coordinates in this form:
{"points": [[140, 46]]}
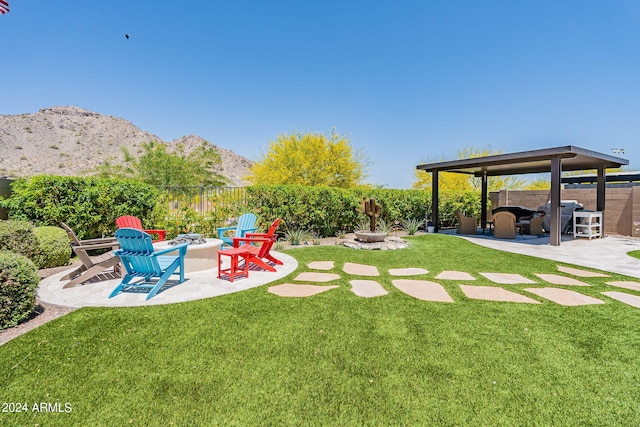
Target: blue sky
{"points": [[406, 81]]}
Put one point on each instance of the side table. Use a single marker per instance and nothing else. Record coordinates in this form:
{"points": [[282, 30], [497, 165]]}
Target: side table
{"points": [[234, 269]]}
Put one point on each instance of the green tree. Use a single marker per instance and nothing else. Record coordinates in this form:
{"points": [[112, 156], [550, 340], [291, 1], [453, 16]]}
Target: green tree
{"points": [[158, 167], [451, 181], [310, 159]]}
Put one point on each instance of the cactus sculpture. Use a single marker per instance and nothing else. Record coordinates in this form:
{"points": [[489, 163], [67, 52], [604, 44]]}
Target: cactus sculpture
{"points": [[373, 210]]}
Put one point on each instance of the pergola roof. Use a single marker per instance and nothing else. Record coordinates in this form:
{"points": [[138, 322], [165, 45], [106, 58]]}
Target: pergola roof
{"points": [[534, 161]]}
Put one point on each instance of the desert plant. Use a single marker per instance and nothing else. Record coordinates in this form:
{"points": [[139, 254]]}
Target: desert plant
{"points": [[383, 226], [53, 244], [411, 225], [296, 235], [18, 282]]}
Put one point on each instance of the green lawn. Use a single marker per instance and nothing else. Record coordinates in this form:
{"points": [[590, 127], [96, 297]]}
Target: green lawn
{"points": [[253, 358]]}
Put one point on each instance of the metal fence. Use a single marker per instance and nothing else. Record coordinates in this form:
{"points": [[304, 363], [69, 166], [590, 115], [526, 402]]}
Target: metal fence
{"points": [[205, 199]]}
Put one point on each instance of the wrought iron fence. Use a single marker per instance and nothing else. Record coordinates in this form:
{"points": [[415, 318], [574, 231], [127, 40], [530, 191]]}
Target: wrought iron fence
{"points": [[205, 199]]}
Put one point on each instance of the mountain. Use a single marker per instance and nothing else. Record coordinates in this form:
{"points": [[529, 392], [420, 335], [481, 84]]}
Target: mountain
{"points": [[73, 141]]}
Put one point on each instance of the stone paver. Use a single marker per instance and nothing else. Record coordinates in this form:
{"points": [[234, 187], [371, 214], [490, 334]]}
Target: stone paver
{"points": [[580, 273], [367, 288], [634, 286], [407, 271], [291, 290], [507, 278], [556, 279], [564, 296], [423, 290], [494, 293], [321, 265], [317, 277], [632, 300], [360, 269], [455, 275]]}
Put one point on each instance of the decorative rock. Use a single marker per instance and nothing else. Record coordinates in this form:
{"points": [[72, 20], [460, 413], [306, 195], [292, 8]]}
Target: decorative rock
{"points": [[390, 243]]}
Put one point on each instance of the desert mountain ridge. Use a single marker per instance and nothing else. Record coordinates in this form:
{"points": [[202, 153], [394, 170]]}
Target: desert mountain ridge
{"points": [[72, 141]]}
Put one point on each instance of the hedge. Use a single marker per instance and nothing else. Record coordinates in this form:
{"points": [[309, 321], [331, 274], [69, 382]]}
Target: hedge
{"points": [[88, 205], [54, 248]]}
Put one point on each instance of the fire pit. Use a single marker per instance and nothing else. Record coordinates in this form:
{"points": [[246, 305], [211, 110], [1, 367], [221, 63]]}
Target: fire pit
{"points": [[201, 252]]}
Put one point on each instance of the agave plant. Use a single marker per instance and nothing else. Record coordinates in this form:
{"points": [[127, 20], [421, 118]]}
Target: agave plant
{"points": [[411, 225], [296, 235]]}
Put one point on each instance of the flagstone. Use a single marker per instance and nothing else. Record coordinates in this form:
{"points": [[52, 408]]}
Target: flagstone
{"points": [[564, 296], [423, 290], [321, 265], [360, 269], [367, 288], [455, 275], [494, 293], [556, 279], [507, 278], [298, 290], [580, 273], [634, 286], [407, 271], [632, 300], [317, 277]]}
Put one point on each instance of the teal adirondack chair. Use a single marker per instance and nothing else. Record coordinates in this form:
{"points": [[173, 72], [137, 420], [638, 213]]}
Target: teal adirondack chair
{"points": [[141, 260], [246, 224]]}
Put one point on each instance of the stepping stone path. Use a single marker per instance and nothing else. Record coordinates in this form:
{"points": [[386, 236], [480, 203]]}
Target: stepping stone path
{"points": [[367, 288], [507, 279], [634, 286], [556, 279], [564, 296], [455, 275], [494, 293], [321, 265], [423, 290], [632, 300], [360, 269], [579, 273], [431, 291], [291, 290], [317, 277], [407, 271]]}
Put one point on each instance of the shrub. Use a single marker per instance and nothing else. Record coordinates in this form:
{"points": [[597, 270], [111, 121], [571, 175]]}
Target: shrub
{"points": [[18, 236], [18, 282], [54, 248], [88, 205]]}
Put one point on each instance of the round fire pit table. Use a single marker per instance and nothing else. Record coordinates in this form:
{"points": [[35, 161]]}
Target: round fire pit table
{"points": [[199, 256]]}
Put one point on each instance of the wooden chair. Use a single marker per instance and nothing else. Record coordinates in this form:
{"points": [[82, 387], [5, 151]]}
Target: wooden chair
{"points": [[128, 221], [466, 225], [260, 255], [92, 266], [504, 225], [141, 260], [246, 224]]}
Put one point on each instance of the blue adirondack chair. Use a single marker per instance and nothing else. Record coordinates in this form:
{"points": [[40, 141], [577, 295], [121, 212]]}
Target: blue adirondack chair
{"points": [[246, 224], [140, 260]]}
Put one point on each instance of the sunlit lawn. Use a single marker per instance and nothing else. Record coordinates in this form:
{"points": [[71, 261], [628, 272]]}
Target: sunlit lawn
{"points": [[253, 358]]}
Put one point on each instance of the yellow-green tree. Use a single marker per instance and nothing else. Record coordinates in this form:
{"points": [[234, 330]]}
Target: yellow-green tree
{"points": [[450, 181], [310, 159]]}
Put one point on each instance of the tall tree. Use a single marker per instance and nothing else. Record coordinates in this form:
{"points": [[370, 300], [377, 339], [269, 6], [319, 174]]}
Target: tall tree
{"points": [[158, 167], [310, 159], [449, 181]]}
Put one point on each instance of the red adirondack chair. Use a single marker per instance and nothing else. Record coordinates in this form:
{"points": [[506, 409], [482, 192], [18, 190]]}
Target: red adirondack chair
{"points": [[128, 221], [260, 255]]}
